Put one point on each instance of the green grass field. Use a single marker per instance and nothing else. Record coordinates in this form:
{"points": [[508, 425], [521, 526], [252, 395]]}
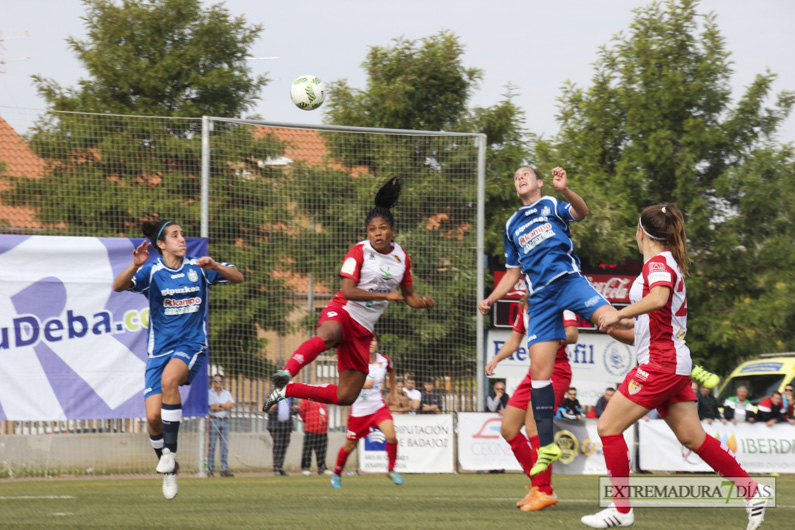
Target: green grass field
{"points": [[425, 501]]}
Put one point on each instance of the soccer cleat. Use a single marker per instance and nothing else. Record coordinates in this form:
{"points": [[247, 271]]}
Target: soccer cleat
{"points": [[610, 517], [281, 378], [395, 476], [167, 462], [704, 377], [531, 491], [756, 511], [539, 501], [170, 483], [335, 481], [546, 455], [276, 395]]}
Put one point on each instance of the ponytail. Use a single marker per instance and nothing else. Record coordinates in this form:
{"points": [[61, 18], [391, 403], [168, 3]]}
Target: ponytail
{"points": [[666, 224], [385, 199]]}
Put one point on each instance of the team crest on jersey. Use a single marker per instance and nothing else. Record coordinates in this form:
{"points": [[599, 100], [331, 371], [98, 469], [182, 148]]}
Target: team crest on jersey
{"points": [[634, 387], [193, 275], [545, 210], [397, 258]]}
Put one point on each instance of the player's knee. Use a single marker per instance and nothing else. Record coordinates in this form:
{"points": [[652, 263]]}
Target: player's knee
{"points": [[154, 420], [169, 383], [604, 429], [508, 432]]}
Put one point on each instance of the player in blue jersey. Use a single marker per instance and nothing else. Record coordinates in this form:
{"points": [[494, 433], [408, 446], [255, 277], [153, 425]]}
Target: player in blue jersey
{"points": [[538, 245], [176, 287]]}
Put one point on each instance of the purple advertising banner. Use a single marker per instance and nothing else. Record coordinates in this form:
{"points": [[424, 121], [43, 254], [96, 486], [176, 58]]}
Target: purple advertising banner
{"points": [[70, 347]]}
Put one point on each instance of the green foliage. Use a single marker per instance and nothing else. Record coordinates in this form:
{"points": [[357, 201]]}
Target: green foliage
{"points": [[108, 173], [657, 125]]}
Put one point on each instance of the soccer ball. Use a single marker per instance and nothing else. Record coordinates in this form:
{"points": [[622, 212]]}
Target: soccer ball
{"points": [[308, 92]]}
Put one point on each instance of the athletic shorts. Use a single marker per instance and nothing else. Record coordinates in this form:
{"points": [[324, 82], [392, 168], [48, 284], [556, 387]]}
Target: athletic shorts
{"points": [[545, 313], [651, 387], [561, 381], [354, 350], [359, 426], [192, 355]]}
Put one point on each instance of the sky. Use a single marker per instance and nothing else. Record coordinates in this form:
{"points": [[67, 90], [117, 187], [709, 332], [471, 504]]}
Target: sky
{"points": [[535, 45]]}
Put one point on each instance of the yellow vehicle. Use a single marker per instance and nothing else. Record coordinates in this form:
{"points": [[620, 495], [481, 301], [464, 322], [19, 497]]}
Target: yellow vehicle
{"points": [[762, 376]]}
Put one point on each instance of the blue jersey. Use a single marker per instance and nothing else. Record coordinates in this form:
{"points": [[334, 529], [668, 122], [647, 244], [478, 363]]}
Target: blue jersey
{"points": [[537, 239], [177, 303]]}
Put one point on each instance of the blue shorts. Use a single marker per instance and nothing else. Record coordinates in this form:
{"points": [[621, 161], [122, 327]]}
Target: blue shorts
{"points": [[192, 355], [545, 313]]}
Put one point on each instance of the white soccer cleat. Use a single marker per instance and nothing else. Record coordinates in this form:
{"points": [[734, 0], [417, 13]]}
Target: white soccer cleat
{"points": [[170, 484], [756, 511], [167, 462], [610, 517]]}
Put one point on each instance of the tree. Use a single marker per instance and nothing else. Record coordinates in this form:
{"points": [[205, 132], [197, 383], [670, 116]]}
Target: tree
{"points": [[657, 125], [107, 173], [424, 85]]}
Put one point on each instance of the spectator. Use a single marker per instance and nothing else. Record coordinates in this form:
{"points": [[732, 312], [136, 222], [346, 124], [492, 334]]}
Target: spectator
{"points": [[414, 395], [280, 425], [315, 418], [497, 399], [694, 386], [791, 412], [430, 403], [398, 402], [708, 406], [603, 401], [570, 406], [737, 408], [788, 396], [771, 409], [221, 403]]}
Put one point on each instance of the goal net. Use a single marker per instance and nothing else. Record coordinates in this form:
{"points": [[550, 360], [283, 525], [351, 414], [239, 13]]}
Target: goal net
{"points": [[284, 204]]}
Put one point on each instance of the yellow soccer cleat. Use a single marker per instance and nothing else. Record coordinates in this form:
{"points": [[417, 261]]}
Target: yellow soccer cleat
{"points": [[704, 377], [546, 455]]}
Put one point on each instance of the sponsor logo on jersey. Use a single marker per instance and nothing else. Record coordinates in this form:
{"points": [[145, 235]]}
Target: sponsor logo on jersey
{"points": [[641, 374], [528, 224], [180, 290], [680, 335], [656, 266], [349, 267], [386, 273], [531, 211], [634, 387], [175, 306], [591, 301], [331, 314], [193, 275], [656, 277], [180, 275], [529, 241]]}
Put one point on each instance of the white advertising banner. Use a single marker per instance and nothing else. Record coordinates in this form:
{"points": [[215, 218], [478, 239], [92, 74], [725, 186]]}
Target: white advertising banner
{"points": [[597, 362], [481, 447], [759, 448], [71, 347], [425, 445]]}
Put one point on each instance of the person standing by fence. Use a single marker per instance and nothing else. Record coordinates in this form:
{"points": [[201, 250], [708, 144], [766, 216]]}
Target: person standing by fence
{"points": [[221, 402], [315, 418]]}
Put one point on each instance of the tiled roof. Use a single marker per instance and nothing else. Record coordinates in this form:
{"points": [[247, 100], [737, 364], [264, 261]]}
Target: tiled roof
{"points": [[19, 161]]}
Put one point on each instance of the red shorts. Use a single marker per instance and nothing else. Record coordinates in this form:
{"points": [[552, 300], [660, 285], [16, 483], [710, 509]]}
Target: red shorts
{"points": [[354, 350], [359, 426], [561, 381], [654, 388]]}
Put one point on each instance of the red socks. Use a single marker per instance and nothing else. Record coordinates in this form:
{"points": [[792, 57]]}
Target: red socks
{"points": [[342, 457], [722, 460], [391, 454], [617, 460], [524, 454], [319, 393], [305, 354]]}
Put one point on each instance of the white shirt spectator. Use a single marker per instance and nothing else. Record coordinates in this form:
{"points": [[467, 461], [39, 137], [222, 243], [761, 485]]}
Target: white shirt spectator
{"points": [[220, 399]]}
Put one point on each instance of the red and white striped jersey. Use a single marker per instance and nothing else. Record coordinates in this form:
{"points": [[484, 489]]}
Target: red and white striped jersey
{"points": [[569, 319], [370, 400], [374, 272], [660, 335]]}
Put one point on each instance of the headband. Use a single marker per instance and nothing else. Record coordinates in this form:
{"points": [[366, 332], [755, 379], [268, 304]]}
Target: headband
{"points": [[172, 222], [640, 224]]}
